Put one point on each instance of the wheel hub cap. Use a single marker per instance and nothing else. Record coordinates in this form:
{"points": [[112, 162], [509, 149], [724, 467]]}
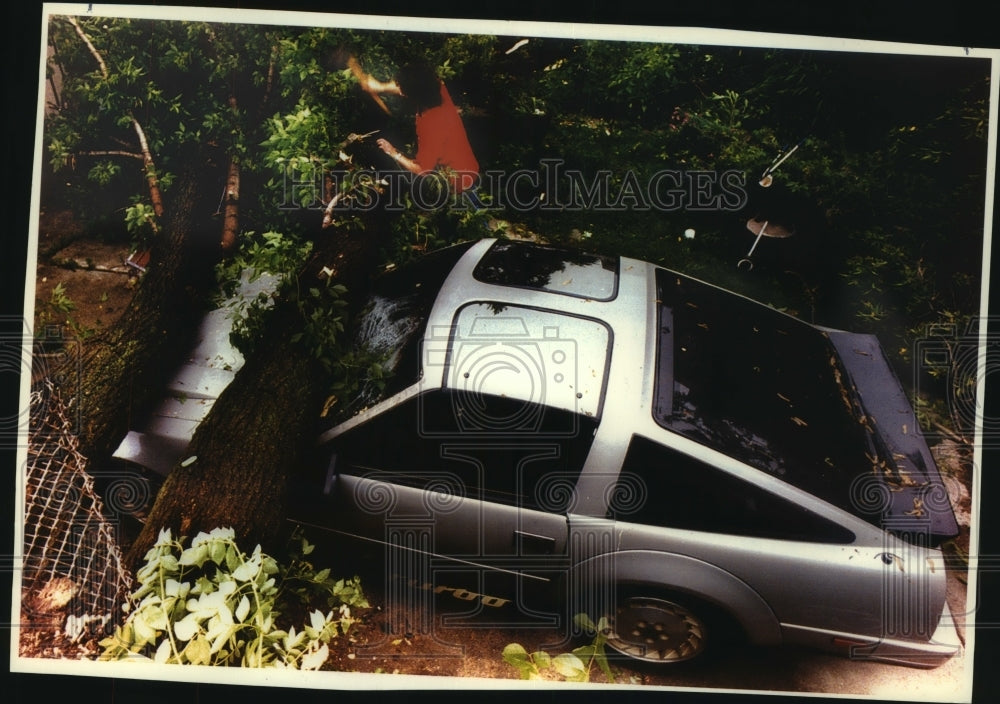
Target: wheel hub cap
{"points": [[657, 630]]}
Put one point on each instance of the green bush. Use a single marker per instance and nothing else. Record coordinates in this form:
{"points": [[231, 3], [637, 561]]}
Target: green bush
{"points": [[212, 604]]}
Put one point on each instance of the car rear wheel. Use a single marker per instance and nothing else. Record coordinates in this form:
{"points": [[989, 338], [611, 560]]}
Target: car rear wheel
{"points": [[661, 629]]}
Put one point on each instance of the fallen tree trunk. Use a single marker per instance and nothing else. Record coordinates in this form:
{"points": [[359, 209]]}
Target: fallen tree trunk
{"points": [[121, 372], [241, 454], [261, 427]]}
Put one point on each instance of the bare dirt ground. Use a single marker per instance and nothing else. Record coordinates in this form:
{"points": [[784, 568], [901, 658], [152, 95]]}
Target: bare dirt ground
{"points": [[97, 287], [96, 283]]}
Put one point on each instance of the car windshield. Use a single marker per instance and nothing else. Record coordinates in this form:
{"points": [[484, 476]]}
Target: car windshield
{"points": [[759, 386]]}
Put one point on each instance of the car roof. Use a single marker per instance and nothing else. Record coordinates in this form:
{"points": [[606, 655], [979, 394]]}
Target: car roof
{"points": [[709, 365], [521, 297]]}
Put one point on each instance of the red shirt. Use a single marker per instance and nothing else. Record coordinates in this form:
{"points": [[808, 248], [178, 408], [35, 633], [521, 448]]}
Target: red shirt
{"points": [[443, 143]]}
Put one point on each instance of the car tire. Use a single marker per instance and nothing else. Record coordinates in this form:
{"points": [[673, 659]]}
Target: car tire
{"points": [[663, 628]]}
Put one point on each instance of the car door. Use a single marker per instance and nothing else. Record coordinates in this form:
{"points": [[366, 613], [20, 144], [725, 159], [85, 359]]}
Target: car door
{"points": [[486, 513]]}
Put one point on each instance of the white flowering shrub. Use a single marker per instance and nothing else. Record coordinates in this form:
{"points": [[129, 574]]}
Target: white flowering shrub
{"points": [[211, 604]]}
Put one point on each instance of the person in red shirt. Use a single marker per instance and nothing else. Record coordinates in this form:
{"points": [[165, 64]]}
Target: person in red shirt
{"points": [[442, 143]]}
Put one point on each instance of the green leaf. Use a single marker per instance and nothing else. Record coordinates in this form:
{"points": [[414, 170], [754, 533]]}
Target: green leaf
{"points": [[314, 660], [515, 654], [217, 551], [221, 639], [203, 585], [570, 667], [156, 617], [194, 556], [317, 620], [246, 571], [602, 662], [169, 563], [584, 623], [243, 609], [187, 627], [144, 633], [232, 558], [542, 660], [198, 652], [163, 652]]}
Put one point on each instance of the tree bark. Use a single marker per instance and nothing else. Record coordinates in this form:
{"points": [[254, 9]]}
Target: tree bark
{"points": [[120, 373], [261, 427], [241, 455], [231, 212]]}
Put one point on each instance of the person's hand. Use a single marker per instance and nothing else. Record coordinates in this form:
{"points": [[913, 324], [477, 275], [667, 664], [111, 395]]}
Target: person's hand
{"points": [[386, 146]]}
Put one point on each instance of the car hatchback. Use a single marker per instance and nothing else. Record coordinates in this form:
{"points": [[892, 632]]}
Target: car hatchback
{"points": [[648, 448]]}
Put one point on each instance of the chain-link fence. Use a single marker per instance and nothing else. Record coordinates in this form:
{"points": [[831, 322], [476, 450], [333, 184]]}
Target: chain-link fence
{"points": [[73, 577]]}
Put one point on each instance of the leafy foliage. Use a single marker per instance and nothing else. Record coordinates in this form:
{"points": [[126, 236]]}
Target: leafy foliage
{"points": [[211, 604], [885, 192], [271, 254], [574, 666], [58, 310]]}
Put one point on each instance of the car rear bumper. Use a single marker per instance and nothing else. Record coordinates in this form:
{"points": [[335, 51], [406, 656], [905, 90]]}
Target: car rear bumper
{"points": [[944, 644]]}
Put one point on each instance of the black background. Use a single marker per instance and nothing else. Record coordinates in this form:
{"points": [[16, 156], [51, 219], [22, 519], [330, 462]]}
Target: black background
{"points": [[949, 24]]}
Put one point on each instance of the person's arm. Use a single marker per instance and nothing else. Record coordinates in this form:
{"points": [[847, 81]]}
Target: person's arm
{"points": [[370, 84], [404, 162]]}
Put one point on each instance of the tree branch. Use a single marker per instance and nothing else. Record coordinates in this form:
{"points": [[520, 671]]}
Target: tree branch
{"points": [[147, 161], [147, 158], [93, 50], [112, 152]]}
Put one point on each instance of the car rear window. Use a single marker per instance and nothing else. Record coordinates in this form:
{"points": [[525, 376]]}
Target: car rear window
{"points": [[673, 490], [757, 385], [534, 266], [537, 356]]}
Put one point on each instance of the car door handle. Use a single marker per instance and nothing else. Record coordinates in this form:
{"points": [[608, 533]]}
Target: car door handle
{"points": [[532, 544]]}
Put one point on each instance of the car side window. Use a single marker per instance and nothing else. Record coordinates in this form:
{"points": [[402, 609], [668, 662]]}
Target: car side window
{"points": [[674, 490], [425, 443]]}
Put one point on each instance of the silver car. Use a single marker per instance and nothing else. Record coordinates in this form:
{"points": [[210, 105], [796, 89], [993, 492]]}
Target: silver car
{"points": [[565, 433]]}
